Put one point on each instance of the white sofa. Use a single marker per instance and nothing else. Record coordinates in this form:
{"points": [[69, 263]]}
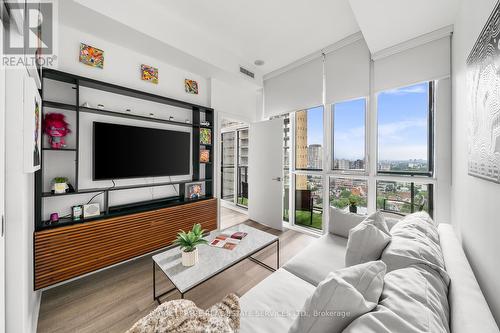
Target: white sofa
{"points": [[268, 307]]}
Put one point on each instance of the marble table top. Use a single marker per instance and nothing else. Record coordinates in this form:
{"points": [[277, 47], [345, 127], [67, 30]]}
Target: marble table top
{"points": [[213, 260]]}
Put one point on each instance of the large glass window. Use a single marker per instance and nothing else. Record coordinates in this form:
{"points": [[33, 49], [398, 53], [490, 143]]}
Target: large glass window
{"points": [[349, 135], [349, 194], [309, 139], [227, 166], [404, 197], [286, 168], [242, 167], [309, 201], [405, 130]]}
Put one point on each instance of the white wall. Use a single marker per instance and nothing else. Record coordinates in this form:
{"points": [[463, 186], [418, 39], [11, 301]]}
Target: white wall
{"points": [[474, 202], [239, 100], [122, 67], [22, 302]]}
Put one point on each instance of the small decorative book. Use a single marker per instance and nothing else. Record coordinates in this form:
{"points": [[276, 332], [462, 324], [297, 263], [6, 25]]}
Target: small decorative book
{"points": [[205, 136], [204, 156]]}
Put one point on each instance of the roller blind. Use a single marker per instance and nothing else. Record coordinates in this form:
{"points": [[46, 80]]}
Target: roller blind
{"points": [[423, 63], [348, 72], [296, 89]]}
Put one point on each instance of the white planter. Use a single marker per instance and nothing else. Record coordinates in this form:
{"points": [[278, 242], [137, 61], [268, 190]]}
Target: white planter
{"points": [[190, 258], [60, 188]]}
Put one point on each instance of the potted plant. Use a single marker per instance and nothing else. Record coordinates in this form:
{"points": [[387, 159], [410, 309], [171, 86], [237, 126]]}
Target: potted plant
{"points": [[60, 185], [188, 241], [353, 204]]}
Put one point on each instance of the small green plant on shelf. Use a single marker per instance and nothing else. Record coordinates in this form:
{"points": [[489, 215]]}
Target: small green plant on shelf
{"points": [[60, 185], [188, 242], [353, 204]]}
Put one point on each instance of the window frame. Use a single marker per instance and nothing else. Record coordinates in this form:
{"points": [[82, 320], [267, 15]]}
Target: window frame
{"points": [[430, 138], [347, 172]]}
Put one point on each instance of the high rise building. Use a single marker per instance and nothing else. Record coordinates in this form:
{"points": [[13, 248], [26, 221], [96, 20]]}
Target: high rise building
{"points": [[314, 155], [301, 147]]}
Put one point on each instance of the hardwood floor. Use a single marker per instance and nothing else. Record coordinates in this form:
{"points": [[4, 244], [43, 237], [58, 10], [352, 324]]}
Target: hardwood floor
{"points": [[112, 300], [230, 217]]}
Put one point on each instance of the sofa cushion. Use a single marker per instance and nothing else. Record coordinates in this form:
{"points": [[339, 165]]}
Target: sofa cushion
{"points": [[415, 240], [414, 299], [340, 298], [366, 242], [274, 303], [341, 221], [323, 256], [469, 311]]}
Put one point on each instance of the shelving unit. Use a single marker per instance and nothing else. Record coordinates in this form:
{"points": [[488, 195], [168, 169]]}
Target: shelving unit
{"points": [[202, 172]]}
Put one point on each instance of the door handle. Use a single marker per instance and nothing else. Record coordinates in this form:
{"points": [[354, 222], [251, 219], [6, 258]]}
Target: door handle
{"points": [[278, 179]]}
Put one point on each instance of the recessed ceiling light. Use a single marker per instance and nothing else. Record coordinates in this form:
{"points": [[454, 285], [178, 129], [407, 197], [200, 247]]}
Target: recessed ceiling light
{"points": [[259, 62]]}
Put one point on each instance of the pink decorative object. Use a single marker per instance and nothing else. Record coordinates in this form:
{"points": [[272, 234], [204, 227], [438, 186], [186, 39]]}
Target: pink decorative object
{"points": [[55, 126]]}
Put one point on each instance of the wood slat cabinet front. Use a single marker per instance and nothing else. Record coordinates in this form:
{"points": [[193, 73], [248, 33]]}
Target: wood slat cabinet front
{"points": [[67, 252]]}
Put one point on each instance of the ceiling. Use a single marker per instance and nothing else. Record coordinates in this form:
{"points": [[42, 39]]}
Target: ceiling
{"points": [[275, 31], [386, 23], [226, 34]]}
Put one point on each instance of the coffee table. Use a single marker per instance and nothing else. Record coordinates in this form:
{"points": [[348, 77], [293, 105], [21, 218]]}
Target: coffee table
{"points": [[213, 260]]}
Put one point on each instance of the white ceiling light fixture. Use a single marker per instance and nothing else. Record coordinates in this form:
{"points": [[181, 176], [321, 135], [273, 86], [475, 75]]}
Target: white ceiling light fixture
{"points": [[259, 62]]}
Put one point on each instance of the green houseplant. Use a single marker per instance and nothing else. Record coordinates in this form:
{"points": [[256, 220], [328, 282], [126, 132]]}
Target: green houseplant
{"points": [[188, 242], [353, 204]]}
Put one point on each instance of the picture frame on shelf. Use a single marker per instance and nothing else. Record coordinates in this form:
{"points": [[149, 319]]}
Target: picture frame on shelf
{"points": [[204, 156], [32, 126], [205, 136], [194, 190]]}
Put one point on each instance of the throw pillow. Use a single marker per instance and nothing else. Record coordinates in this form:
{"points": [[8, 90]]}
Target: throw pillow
{"points": [[415, 240], [414, 299], [184, 316], [366, 242], [341, 221], [342, 297]]}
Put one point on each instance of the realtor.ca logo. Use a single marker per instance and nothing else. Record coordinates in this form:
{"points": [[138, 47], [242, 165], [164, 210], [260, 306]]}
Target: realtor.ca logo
{"points": [[29, 37]]}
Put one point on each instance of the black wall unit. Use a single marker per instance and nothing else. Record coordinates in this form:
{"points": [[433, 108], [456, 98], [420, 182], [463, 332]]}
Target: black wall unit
{"points": [[198, 114]]}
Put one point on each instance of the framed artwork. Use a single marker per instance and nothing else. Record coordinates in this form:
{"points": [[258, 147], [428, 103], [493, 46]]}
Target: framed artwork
{"points": [[191, 86], [149, 73], [483, 88], [91, 56], [32, 126], [205, 136], [204, 156], [195, 190]]}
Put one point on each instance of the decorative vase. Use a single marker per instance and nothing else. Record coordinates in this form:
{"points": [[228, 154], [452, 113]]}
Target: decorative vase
{"points": [[190, 258], [353, 209]]}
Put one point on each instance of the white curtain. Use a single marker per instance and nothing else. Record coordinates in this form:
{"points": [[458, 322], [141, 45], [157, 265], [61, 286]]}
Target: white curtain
{"points": [[296, 89], [348, 72], [427, 62]]}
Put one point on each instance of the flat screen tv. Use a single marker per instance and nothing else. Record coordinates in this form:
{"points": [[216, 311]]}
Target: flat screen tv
{"points": [[121, 151]]}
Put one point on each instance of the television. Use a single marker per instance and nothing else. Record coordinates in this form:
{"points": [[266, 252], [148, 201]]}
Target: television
{"points": [[121, 151]]}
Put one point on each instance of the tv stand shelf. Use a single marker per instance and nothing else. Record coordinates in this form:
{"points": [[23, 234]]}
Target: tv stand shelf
{"points": [[155, 222]]}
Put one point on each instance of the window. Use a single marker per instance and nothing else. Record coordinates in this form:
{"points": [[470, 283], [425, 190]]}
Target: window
{"points": [[286, 168], [309, 201], [309, 139], [405, 130], [404, 197], [349, 194], [227, 166], [349, 135], [242, 167]]}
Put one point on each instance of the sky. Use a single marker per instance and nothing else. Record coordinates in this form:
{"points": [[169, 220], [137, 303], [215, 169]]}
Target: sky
{"points": [[402, 125]]}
